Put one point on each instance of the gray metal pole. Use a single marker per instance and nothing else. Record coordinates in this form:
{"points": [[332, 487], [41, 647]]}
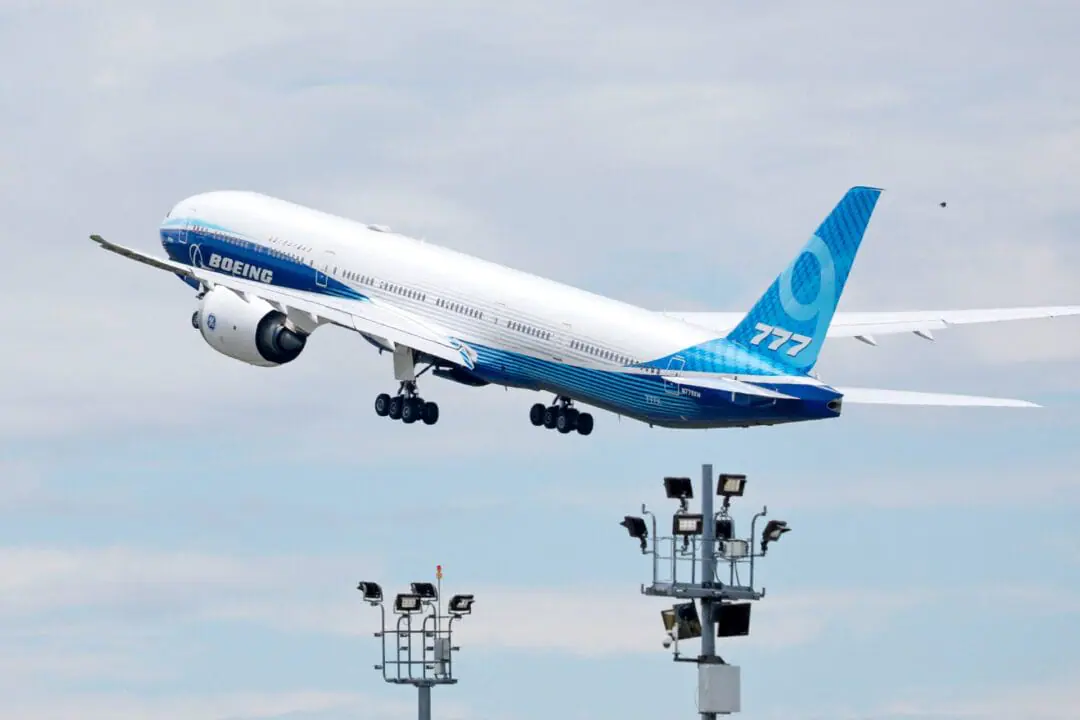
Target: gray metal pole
{"points": [[708, 572], [425, 701]]}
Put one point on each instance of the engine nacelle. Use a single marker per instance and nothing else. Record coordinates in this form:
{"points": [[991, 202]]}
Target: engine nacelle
{"points": [[250, 331]]}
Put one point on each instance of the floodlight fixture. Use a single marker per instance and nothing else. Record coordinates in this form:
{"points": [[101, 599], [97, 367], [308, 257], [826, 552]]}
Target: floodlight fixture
{"points": [[772, 532], [730, 485], [732, 619], [424, 590], [681, 621], [407, 603], [686, 524], [725, 528], [372, 592], [461, 605], [637, 528], [678, 488]]}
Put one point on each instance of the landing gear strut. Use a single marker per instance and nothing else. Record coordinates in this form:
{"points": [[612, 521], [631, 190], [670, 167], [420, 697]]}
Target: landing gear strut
{"points": [[561, 415]]}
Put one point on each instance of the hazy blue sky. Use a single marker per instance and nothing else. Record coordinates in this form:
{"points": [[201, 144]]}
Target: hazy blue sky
{"points": [[181, 534]]}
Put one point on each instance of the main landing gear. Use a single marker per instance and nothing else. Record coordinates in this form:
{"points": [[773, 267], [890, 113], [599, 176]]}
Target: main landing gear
{"points": [[407, 406], [561, 416]]}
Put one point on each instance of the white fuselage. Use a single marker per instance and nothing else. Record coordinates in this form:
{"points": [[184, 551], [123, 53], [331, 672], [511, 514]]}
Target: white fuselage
{"points": [[472, 298], [526, 331]]}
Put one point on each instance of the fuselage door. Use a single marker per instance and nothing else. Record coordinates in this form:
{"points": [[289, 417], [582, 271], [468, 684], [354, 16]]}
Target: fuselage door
{"points": [[323, 267], [674, 367]]}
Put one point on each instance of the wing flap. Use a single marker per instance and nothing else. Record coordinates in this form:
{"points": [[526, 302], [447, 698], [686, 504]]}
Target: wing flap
{"points": [[875, 396], [364, 316]]}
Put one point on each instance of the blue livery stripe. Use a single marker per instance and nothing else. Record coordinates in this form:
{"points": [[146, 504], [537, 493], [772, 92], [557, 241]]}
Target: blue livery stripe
{"points": [[238, 256], [650, 397]]}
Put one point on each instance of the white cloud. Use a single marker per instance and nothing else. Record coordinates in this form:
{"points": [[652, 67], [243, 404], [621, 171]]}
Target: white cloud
{"points": [[295, 705], [478, 148], [291, 593], [139, 599], [1052, 699], [35, 580]]}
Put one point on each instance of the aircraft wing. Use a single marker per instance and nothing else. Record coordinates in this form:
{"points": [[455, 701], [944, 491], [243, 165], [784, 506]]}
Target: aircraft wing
{"points": [[369, 317], [865, 325], [874, 396]]}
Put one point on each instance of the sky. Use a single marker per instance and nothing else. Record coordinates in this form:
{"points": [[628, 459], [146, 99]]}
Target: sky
{"points": [[181, 535]]}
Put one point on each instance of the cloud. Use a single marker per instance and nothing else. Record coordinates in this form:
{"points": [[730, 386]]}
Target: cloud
{"points": [[521, 153], [36, 580], [290, 593], [287, 705], [1051, 699]]}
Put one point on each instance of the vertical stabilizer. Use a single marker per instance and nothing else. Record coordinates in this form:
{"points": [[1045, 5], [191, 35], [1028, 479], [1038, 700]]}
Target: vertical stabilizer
{"points": [[788, 324]]}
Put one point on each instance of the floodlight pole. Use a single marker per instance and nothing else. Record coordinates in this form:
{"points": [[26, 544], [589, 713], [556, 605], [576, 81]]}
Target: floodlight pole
{"points": [[424, 703], [718, 683], [708, 573]]}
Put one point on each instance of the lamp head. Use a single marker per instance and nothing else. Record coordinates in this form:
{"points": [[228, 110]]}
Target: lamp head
{"points": [[407, 603], [686, 524], [371, 591], [461, 605], [774, 529], [638, 530], [679, 488], [730, 485], [425, 590]]}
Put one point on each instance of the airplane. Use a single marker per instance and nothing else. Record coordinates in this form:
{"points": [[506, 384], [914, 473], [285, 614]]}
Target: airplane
{"points": [[268, 272]]}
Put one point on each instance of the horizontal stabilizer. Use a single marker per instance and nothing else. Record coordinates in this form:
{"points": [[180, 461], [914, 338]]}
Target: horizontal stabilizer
{"points": [[862, 325], [874, 396], [727, 385]]}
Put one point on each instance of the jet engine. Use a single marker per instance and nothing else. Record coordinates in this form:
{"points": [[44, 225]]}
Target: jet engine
{"points": [[252, 331]]}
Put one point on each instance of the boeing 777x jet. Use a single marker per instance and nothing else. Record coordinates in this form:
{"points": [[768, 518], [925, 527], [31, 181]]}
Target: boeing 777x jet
{"points": [[268, 273]]}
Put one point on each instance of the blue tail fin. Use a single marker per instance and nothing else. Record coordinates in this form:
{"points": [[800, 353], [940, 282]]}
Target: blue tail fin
{"points": [[789, 322]]}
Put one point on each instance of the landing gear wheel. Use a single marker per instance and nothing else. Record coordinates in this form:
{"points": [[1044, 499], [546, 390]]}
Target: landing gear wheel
{"points": [[551, 416], [430, 413], [584, 423], [382, 405], [536, 414], [410, 410], [396, 404], [564, 423]]}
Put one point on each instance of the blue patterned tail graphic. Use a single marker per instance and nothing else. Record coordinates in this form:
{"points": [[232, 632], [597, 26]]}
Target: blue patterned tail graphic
{"points": [[788, 324]]}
